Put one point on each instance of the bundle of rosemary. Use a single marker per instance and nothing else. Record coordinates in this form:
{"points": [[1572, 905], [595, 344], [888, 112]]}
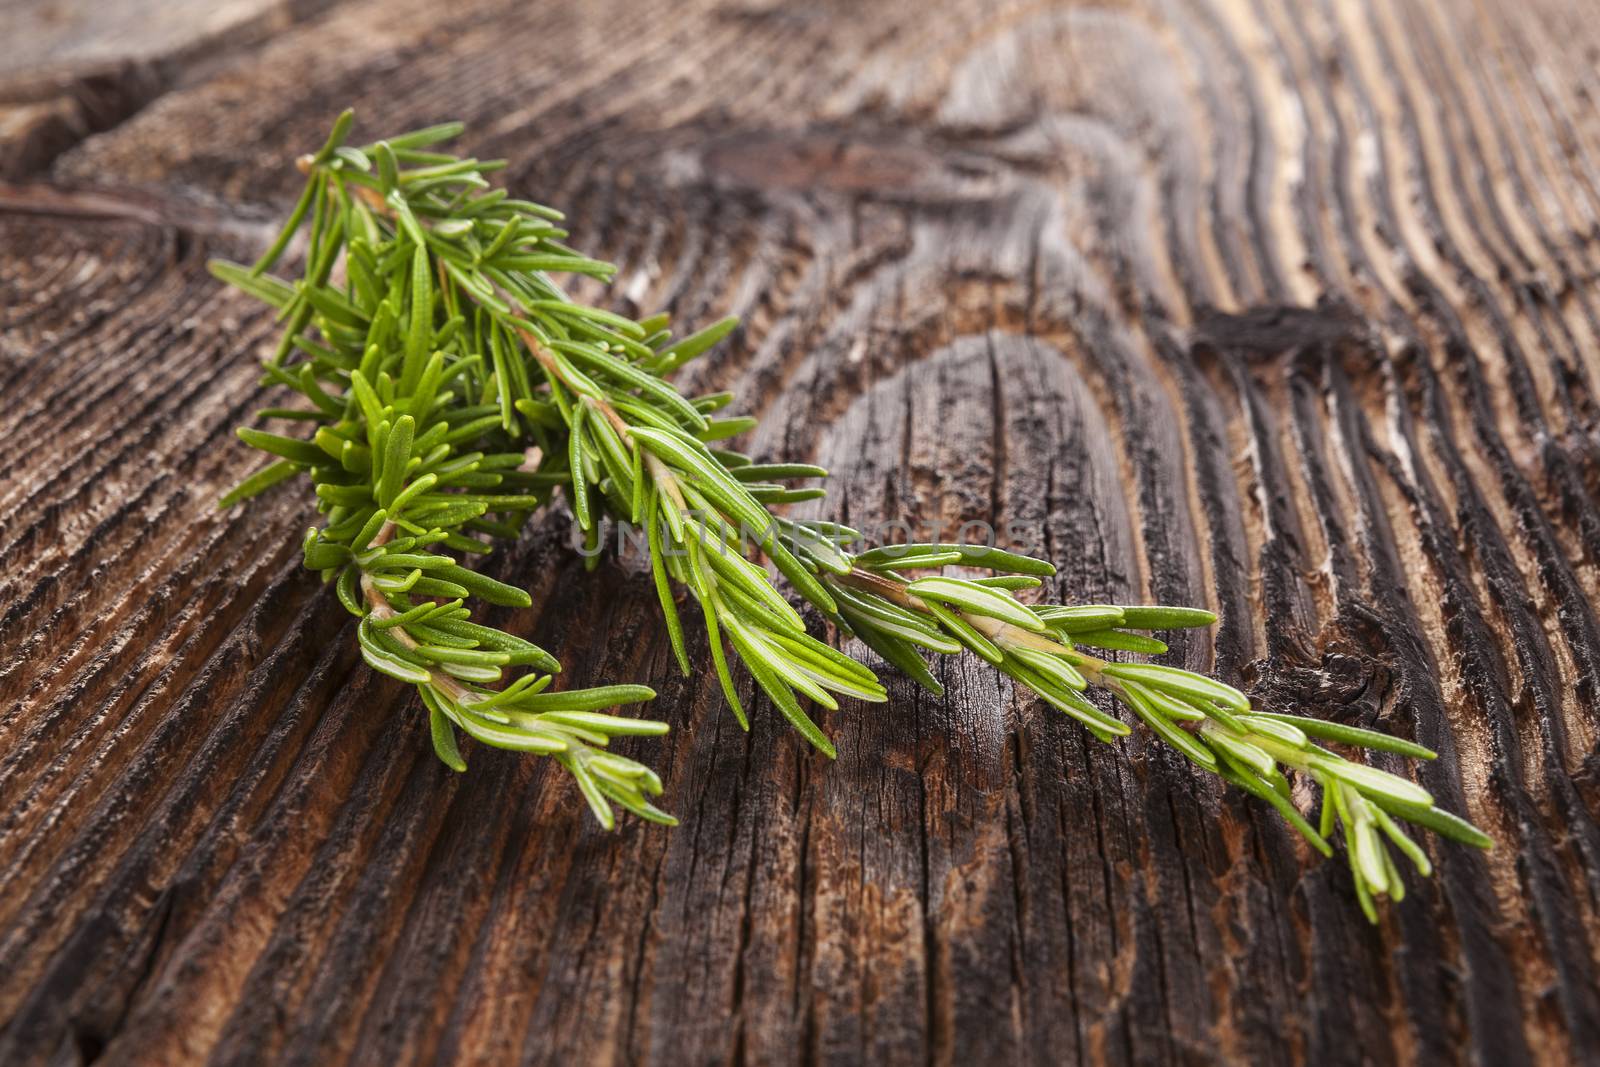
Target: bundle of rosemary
{"points": [[452, 386]]}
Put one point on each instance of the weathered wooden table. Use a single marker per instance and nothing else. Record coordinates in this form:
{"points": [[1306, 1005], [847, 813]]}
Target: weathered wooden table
{"points": [[1288, 307]]}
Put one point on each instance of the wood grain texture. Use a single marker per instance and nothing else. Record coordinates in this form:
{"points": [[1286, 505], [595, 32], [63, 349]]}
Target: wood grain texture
{"points": [[1287, 307]]}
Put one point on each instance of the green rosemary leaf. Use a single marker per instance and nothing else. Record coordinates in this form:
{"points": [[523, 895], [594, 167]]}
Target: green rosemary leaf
{"points": [[756, 647], [976, 600], [1287, 732], [1121, 641], [719, 660], [353, 157], [771, 495], [902, 654], [805, 583], [783, 698], [275, 250], [1223, 741], [1217, 713], [438, 587], [1181, 683], [350, 496], [815, 548], [429, 135], [391, 583], [420, 333], [1402, 841], [1366, 853], [609, 725], [1102, 726], [883, 613], [1172, 707], [776, 472], [593, 699], [830, 668], [689, 456], [472, 657], [964, 632], [336, 136], [1158, 617], [335, 308], [259, 482], [578, 488], [681, 352], [412, 492], [384, 659], [411, 615], [723, 429], [1254, 786], [1081, 619], [1137, 698], [658, 571], [631, 377], [396, 459], [582, 313], [591, 792], [321, 555], [444, 738], [349, 591], [500, 736], [303, 453], [892, 629], [1353, 735], [1012, 582], [1373, 782], [995, 559], [487, 588], [1058, 671], [924, 561]]}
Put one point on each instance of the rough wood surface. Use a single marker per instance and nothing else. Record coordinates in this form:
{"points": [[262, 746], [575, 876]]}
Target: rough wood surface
{"points": [[1288, 307]]}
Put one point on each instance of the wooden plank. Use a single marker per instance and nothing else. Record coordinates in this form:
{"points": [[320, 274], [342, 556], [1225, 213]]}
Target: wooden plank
{"points": [[72, 68], [1283, 308]]}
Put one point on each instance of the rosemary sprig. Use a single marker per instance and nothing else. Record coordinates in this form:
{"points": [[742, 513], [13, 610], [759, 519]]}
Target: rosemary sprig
{"points": [[1212, 724], [453, 385], [409, 465]]}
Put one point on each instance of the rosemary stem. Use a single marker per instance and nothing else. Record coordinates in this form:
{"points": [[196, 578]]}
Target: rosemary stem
{"points": [[887, 588], [381, 608]]}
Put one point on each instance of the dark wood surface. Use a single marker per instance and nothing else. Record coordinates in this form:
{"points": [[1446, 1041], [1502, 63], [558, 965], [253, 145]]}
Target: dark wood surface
{"points": [[1286, 307]]}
